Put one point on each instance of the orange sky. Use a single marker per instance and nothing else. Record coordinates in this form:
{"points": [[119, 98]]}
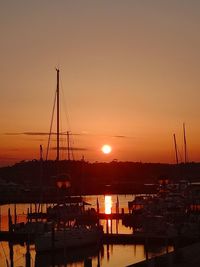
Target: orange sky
{"points": [[128, 68]]}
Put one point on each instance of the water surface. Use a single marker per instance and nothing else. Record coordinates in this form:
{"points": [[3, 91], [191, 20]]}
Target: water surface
{"points": [[107, 255]]}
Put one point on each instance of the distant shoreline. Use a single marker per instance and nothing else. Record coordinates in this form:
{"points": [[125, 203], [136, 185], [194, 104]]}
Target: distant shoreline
{"points": [[92, 178]]}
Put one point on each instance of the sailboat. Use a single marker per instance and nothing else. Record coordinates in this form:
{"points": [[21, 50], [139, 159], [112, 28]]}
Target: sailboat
{"points": [[66, 231], [68, 257], [70, 206]]}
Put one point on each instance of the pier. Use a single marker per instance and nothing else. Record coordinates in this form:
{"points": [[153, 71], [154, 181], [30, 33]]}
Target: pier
{"points": [[107, 238], [16, 238], [183, 257], [141, 238]]}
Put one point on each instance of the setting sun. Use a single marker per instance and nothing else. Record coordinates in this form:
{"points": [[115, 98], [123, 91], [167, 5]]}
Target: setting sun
{"points": [[106, 149]]}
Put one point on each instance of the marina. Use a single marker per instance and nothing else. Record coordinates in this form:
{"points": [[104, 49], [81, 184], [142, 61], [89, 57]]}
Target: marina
{"points": [[62, 228], [109, 247], [99, 139], [110, 211]]}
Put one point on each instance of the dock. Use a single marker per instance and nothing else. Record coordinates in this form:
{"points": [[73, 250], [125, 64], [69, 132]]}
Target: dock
{"points": [[140, 238], [17, 238], [183, 257], [127, 218], [100, 216], [108, 238]]}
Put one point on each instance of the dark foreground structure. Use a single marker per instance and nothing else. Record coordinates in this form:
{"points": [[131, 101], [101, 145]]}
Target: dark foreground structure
{"points": [[97, 178], [188, 256]]}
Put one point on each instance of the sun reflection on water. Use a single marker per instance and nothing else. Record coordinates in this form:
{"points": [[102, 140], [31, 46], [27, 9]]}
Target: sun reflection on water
{"points": [[108, 210], [110, 255], [108, 204]]}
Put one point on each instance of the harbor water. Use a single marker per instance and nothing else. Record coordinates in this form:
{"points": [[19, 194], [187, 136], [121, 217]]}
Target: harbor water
{"points": [[111, 255]]}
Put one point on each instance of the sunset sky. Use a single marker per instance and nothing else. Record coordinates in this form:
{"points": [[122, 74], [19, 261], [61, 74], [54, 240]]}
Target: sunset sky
{"points": [[130, 77]]}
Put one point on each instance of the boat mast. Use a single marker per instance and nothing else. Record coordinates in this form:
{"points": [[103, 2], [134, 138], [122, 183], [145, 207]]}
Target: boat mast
{"points": [[68, 146], [41, 153], [185, 143], [58, 127], [176, 152]]}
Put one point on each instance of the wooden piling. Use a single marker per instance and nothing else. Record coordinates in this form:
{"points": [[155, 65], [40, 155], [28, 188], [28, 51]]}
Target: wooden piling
{"points": [[146, 248], [53, 237], [9, 221], [0, 218], [15, 214], [97, 206], [11, 254], [28, 255]]}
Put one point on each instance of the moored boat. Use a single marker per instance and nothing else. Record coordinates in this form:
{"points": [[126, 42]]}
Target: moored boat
{"points": [[68, 215], [71, 237], [63, 258]]}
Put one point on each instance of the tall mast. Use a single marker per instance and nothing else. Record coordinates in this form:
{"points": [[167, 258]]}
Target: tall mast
{"points": [[175, 145], [68, 146], [58, 127], [185, 144], [41, 153]]}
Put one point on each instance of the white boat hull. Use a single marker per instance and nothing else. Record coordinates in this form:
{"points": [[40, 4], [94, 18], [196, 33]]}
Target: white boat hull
{"points": [[68, 238]]}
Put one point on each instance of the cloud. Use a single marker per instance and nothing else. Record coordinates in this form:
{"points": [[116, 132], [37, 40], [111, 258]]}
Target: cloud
{"points": [[5, 158], [65, 133], [12, 134], [39, 139], [40, 133], [72, 148], [27, 133], [13, 149], [35, 133]]}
